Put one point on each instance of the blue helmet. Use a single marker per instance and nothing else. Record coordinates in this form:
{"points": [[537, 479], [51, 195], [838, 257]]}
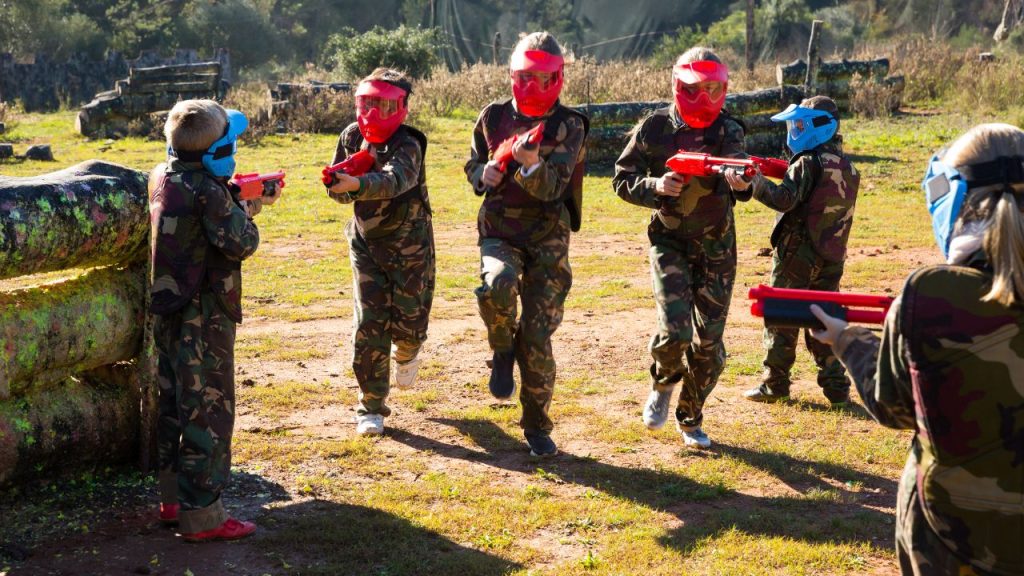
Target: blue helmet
{"points": [[219, 158], [946, 187], [807, 128]]}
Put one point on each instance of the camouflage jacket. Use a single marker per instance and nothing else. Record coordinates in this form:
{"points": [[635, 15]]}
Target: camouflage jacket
{"points": [[704, 202], [527, 208], [199, 235], [818, 196], [951, 367], [396, 190]]}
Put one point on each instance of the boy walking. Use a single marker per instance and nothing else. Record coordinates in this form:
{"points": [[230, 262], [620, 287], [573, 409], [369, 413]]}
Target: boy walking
{"points": [[391, 242]]}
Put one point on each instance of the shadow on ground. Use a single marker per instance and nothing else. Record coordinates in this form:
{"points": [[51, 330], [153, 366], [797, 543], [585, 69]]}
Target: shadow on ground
{"points": [[831, 503]]}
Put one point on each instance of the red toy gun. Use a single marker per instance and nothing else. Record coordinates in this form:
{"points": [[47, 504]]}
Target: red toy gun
{"points": [[532, 137], [788, 308], [703, 165], [256, 185], [355, 165]]}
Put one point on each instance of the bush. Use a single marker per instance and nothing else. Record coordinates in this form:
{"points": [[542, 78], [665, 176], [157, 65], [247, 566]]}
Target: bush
{"points": [[411, 50], [872, 99], [253, 99]]}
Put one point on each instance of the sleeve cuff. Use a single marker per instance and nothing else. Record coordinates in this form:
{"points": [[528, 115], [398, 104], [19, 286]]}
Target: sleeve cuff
{"points": [[525, 172]]}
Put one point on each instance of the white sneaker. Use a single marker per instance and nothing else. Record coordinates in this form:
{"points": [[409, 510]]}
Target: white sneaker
{"points": [[656, 408], [405, 374], [369, 424], [696, 438]]}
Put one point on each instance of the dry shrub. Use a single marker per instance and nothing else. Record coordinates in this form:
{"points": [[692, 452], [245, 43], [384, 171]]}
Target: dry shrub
{"points": [[988, 86], [929, 67], [872, 99], [253, 99], [311, 111], [468, 90]]}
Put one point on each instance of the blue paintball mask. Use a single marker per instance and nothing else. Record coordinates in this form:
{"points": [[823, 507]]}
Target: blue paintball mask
{"points": [[946, 187], [806, 128], [219, 158]]}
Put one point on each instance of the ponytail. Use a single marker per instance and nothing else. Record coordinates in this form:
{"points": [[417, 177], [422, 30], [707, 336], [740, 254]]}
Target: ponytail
{"points": [[1004, 245]]}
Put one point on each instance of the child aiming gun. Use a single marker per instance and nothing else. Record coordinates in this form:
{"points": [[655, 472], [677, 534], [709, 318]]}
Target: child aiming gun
{"points": [[378, 168]]}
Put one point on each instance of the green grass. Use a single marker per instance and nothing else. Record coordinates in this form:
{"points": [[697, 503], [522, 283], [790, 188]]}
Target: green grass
{"points": [[789, 489]]}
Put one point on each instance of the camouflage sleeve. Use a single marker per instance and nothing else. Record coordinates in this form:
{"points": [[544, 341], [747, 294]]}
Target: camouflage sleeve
{"points": [[227, 225], [548, 181], [880, 370], [796, 186], [345, 143], [478, 154], [631, 181], [734, 145], [397, 176]]}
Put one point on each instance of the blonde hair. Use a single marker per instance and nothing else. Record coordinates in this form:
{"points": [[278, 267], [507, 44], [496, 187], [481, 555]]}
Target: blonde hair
{"points": [[539, 41], [1001, 213], [698, 53], [194, 125]]}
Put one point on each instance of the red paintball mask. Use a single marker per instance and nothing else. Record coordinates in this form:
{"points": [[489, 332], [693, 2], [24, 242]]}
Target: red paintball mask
{"points": [[700, 91], [536, 81], [380, 110]]}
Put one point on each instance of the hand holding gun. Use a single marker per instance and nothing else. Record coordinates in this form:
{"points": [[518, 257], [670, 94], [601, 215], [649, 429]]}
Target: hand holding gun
{"points": [[257, 186], [691, 164], [789, 308], [356, 164], [503, 154]]}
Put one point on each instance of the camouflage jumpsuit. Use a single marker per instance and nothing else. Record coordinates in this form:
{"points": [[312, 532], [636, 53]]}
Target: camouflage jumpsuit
{"points": [[391, 246], [524, 228], [693, 252], [199, 236], [950, 367], [817, 198]]}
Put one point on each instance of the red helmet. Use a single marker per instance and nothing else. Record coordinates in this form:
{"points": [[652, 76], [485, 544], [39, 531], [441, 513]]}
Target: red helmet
{"points": [[380, 110], [536, 81], [699, 91]]}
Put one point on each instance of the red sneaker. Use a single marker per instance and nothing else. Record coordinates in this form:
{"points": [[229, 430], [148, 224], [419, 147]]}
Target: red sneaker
{"points": [[231, 529], [169, 513]]}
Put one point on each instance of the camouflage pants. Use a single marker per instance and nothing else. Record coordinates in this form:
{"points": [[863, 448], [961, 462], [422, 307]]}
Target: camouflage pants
{"points": [[693, 281], [920, 551], [393, 287], [795, 264], [196, 374], [539, 274]]}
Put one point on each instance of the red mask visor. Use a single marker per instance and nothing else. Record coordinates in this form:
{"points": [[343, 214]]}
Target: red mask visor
{"points": [[536, 81], [699, 89], [380, 110]]}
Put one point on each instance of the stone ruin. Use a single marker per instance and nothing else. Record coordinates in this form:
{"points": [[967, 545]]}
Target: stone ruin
{"points": [[76, 358], [43, 85], [139, 103]]}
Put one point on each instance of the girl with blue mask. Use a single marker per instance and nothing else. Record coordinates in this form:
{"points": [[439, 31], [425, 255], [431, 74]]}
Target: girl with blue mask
{"points": [[950, 366]]}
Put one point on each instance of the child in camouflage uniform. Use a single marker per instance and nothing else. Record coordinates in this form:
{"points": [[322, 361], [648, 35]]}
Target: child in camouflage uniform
{"points": [[817, 199], [391, 242], [950, 366], [200, 234], [529, 208], [693, 239]]}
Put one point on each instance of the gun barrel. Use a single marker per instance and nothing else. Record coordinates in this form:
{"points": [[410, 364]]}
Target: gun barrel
{"points": [[761, 292]]}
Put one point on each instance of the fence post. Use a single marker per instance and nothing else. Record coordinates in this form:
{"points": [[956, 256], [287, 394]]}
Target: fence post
{"points": [[812, 57]]}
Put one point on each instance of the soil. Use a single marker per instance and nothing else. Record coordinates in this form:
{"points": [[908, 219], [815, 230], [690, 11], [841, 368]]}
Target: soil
{"points": [[126, 539]]}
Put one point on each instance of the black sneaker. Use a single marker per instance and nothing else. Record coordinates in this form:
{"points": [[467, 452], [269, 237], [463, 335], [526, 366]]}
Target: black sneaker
{"points": [[541, 444], [502, 384], [838, 399]]}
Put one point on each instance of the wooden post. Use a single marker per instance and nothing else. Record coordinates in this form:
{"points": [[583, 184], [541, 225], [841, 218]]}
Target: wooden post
{"points": [[812, 57], [749, 48], [496, 49]]}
